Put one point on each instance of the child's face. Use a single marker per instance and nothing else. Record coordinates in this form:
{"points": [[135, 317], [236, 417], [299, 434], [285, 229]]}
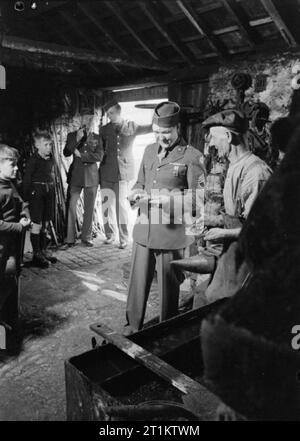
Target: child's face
{"points": [[8, 169], [44, 147]]}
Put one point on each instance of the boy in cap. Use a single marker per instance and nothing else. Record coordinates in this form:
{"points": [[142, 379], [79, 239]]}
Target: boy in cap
{"points": [[117, 171], [14, 213], [86, 147], [169, 168], [246, 176], [38, 190]]}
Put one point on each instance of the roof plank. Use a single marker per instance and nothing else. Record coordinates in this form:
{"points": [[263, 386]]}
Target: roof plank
{"points": [[242, 19], [113, 6], [174, 41], [76, 28], [201, 27], [279, 22], [101, 26]]}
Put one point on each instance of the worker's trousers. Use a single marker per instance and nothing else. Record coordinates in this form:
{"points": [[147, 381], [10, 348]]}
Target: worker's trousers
{"points": [[141, 276]]}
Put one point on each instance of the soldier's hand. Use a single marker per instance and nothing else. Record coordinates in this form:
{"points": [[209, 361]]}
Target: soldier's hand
{"points": [[79, 134], [136, 194], [77, 153], [162, 201], [215, 234], [25, 222]]}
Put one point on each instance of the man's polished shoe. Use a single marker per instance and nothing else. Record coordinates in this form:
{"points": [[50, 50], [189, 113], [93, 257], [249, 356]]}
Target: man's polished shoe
{"points": [[123, 245], [109, 241], [87, 243], [196, 264]]}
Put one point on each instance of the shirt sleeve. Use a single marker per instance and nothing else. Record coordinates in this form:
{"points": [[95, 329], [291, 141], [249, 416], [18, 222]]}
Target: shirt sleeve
{"points": [[143, 130], [251, 187]]}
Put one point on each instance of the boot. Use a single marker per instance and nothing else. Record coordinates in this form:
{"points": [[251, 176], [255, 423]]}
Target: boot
{"points": [[46, 253], [38, 259]]}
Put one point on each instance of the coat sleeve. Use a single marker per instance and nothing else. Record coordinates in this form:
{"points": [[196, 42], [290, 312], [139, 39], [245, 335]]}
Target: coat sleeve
{"points": [[96, 155], [196, 183], [140, 183], [70, 144], [143, 130], [27, 179]]}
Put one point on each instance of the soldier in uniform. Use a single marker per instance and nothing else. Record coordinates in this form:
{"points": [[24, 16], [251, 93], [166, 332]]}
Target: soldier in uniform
{"points": [[86, 147], [169, 168], [117, 171]]}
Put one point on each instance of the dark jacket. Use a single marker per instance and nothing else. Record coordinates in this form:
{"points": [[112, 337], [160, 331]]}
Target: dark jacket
{"points": [[118, 163], [39, 170], [12, 208], [83, 171], [181, 169]]}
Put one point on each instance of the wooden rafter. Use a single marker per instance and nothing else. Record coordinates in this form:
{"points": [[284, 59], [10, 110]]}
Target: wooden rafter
{"points": [[158, 22], [76, 28], [113, 6], [102, 27], [201, 27], [240, 16], [56, 50], [279, 22]]}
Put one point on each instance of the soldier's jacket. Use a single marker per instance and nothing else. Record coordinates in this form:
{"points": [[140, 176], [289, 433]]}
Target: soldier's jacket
{"points": [[118, 162], [180, 170], [83, 171]]}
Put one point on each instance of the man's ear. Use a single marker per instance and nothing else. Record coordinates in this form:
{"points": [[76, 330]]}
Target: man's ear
{"points": [[229, 136]]}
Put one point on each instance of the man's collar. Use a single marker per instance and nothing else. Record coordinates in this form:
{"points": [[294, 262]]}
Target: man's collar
{"points": [[179, 141]]}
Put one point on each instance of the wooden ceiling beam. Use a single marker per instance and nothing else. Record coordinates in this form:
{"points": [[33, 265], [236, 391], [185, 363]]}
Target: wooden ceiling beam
{"points": [[60, 51], [101, 27], [76, 28], [113, 6], [201, 27], [240, 16], [279, 22], [150, 11]]}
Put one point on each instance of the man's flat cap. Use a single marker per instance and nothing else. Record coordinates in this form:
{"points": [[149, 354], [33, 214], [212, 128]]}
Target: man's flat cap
{"points": [[166, 114], [232, 119], [110, 104]]}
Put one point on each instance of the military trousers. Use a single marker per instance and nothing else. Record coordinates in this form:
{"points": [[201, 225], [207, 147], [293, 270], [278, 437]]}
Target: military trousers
{"points": [[89, 197], [115, 207], [142, 271]]}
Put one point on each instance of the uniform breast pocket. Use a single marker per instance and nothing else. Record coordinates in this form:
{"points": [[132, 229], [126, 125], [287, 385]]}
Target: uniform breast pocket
{"points": [[179, 170]]}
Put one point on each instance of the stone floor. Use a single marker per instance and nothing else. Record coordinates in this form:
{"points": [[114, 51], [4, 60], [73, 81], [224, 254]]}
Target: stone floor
{"points": [[58, 305]]}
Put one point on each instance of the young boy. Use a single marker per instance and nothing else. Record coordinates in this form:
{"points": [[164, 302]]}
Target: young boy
{"points": [[14, 214], [38, 190]]}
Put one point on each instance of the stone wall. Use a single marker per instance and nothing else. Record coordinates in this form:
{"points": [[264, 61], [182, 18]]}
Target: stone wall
{"points": [[279, 75]]}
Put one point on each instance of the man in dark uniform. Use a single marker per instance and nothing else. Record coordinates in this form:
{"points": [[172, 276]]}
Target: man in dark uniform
{"points": [[38, 190], [117, 170], [169, 168], [86, 147]]}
